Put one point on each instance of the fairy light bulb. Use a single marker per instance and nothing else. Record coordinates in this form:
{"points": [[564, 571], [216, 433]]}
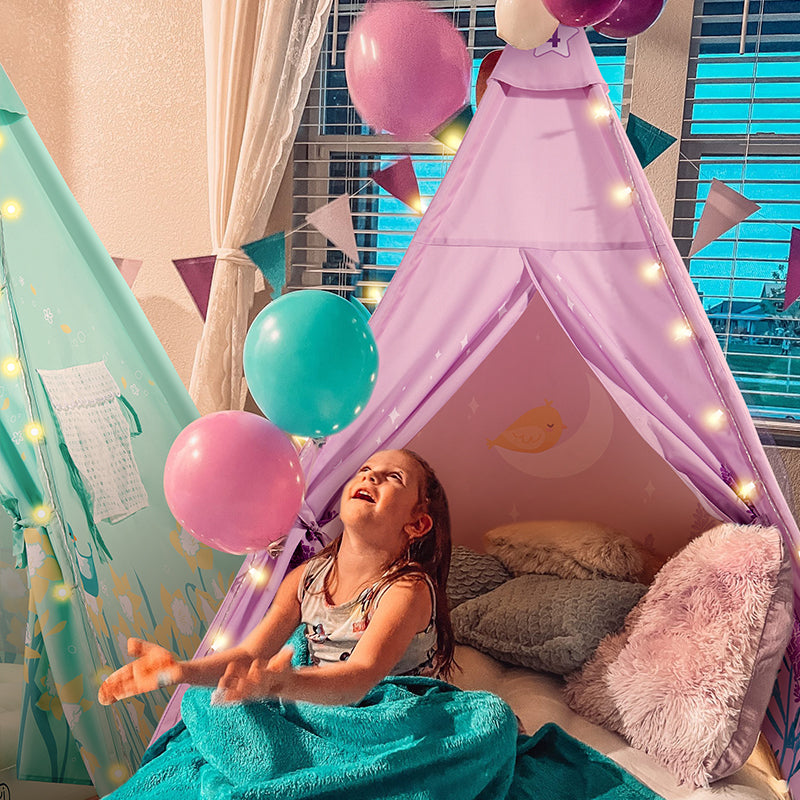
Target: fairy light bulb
{"points": [[601, 111], [118, 773], [2, 141], [681, 332], [62, 592], [11, 209], [42, 514], [220, 642], [715, 419], [257, 576], [10, 367], [746, 490], [623, 195], [651, 271], [34, 432]]}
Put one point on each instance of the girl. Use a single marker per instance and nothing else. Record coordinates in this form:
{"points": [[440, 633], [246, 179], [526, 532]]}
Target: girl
{"points": [[373, 603]]}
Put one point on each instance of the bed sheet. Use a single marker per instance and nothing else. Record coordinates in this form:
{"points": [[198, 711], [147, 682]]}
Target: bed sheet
{"points": [[536, 699]]}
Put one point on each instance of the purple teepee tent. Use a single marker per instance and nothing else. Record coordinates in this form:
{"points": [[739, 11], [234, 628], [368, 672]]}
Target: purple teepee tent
{"points": [[542, 343]]}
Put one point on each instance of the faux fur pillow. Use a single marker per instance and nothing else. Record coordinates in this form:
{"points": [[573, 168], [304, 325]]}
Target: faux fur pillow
{"points": [[473, 574], [547, 623], [689, 678], [571, 550]]}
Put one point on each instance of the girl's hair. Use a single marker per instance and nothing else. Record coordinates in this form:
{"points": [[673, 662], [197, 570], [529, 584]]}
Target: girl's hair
{"points": [[429, 555]]}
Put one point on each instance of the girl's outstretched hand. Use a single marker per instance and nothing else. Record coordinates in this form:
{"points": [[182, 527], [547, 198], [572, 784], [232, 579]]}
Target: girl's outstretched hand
{"points": [[260, 678], [153, 668]]}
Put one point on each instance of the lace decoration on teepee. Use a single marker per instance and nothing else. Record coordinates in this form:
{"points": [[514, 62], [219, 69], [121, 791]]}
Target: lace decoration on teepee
{"points": [[85, 402]]}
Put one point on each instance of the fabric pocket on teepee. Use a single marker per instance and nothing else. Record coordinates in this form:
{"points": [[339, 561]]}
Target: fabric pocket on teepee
{"points": [[86, 403]]}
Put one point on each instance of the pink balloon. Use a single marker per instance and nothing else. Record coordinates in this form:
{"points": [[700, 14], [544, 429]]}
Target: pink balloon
{"points": [[580, 13], [234, 481], [407, 68], [630, 18]]}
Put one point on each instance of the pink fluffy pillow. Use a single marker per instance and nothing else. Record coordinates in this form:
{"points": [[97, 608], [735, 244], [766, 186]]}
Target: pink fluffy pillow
{"points": [[689, 677]]}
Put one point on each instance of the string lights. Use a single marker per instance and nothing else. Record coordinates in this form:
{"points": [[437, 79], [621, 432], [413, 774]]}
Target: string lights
{"points": [[11, 209]]}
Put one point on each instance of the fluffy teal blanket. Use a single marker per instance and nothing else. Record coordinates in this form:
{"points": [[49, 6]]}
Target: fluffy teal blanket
{"points": [[408, 739]]}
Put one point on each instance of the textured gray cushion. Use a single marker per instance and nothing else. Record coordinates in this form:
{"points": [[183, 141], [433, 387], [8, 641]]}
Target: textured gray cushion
{"points": [[544, 622], [473, 574]]}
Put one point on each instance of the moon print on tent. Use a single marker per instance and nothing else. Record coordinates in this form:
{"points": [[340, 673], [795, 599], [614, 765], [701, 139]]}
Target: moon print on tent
{"points": [[553, 460]]}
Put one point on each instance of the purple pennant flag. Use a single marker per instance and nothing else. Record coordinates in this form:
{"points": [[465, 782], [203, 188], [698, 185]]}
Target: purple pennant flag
{"points": [[792, 291], [129, 268], [197, 274], [724, 208], [401, 182]]}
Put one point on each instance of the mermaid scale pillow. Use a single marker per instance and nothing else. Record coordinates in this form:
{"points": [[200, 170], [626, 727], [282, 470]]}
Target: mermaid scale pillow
{"points": [[689, 677], [473, 574]]}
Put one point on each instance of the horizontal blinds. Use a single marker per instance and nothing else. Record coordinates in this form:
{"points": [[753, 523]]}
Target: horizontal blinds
{"points": [[335, 154], [742, 127]]}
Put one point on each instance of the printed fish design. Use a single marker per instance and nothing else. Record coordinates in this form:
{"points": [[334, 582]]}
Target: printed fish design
{"points": [[535, 431]]}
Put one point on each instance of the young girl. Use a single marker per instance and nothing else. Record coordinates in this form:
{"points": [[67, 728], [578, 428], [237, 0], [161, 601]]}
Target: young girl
{"points": [[373, 603]]}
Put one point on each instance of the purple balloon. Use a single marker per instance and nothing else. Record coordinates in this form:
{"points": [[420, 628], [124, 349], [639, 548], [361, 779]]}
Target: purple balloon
{"points": [[407, 68], [234, 481], [630, 18], [580, 13]]}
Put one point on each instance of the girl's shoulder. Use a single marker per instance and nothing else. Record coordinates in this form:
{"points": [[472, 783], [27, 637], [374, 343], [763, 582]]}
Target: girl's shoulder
{"points": [[314, 569]]}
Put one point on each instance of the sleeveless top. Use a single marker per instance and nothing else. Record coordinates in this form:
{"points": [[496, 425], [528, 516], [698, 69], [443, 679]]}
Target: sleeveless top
{"points": [[333, 631]]}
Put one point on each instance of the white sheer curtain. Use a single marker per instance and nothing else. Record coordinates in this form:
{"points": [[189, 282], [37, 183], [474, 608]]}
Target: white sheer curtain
{"points": [[260, 59]]}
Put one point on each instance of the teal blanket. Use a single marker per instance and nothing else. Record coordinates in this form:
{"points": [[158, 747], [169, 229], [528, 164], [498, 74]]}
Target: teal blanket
{"points": [[408, 739]]}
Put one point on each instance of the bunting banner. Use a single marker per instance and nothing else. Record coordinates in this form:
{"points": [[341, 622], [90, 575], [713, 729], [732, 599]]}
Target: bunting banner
{"points": [[648, 141], [400, 181], [335, 223], [792, 291], [129, 268], [197, 274], [723, 209], [452, 132], [269, 255]]}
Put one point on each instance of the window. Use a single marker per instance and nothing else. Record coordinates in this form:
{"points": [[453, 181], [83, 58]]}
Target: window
{"points": [[742, 126], [335, 154]]}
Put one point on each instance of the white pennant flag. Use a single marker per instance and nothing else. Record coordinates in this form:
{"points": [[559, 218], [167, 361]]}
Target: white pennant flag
{"points": [[335, 223], [724, 208]]}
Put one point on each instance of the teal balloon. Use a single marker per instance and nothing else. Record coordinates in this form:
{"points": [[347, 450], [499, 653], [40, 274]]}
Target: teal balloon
{"points": [[311, 362]]}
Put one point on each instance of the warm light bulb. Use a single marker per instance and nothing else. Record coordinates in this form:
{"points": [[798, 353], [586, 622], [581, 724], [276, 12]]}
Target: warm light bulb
{"points": [[746, 490], [10, 367], [42, 514], [62, 592], [2, 140], [220, 642], [118, 773], [11, 209], [34, 432], [258, 576], [652, 270], [601, 111], [681, 332], [623, 195], [715, 419]]}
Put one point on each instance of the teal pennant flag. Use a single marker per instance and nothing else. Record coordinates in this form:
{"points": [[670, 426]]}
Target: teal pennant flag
{"points": [[648, 141], [269, 255]]}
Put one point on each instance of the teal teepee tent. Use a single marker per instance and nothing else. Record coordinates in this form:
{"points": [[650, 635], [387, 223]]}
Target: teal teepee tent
{"points": [[89, 406]]}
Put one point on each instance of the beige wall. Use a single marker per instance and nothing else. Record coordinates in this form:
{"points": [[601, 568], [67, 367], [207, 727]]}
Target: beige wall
{"points": [[116, 89]]}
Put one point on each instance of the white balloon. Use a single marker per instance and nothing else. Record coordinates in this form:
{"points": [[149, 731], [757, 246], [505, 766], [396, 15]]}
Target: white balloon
{"points": [[524, 24]]}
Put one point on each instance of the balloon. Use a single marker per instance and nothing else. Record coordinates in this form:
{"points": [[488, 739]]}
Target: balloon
{"points": [[630, 18], [311, 362], [580, 13], [234, 481], [484, 72], [524, 24], [407, 68]]}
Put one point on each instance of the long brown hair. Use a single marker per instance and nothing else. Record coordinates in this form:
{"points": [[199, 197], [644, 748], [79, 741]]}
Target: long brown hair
{"points": [[429, 555]]}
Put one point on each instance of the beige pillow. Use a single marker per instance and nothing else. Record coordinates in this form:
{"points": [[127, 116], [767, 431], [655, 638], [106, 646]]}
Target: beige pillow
{"points": [[571, 549]]}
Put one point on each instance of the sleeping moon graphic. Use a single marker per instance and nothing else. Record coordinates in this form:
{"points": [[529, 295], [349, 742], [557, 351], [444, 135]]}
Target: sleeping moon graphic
{"points": [[532, 443]]}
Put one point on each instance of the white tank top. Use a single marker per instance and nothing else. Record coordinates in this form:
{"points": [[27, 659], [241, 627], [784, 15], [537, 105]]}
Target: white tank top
{"points": [[333, 632]]}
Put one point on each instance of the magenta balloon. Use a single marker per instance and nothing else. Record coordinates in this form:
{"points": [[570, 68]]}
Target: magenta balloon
{"points": [[234, 481], [630, 18], [407, 68], [580, 13]]}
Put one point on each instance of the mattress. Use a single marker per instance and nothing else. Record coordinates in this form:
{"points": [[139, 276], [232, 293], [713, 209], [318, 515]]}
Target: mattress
{"points": [[536, 699], [10, 787]]}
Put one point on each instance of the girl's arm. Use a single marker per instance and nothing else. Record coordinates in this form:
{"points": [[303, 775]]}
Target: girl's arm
{"points": [[404, 610], [154, 667]]}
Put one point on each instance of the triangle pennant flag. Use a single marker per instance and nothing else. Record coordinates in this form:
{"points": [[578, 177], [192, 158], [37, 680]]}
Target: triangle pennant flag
{"points": [[335, 223], [401, 182], [129, 268], [269, 255], [648, 141], [723, 209], [197, 274], [451, 132], [792, 291]]}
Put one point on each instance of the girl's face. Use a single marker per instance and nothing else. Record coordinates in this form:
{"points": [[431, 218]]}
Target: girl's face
{"points": [[386, 492]]}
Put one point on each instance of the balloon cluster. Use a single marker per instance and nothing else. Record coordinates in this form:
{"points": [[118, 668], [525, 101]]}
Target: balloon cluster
{"points": [[526, 24], [233, 479]]}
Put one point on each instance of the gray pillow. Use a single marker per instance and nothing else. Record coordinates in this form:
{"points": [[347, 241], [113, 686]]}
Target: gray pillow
{"points": [[473, 574], [544, 622]]}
